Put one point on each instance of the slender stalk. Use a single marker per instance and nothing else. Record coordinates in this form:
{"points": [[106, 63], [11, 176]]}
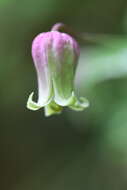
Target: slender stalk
{"points": [[85, 38]]}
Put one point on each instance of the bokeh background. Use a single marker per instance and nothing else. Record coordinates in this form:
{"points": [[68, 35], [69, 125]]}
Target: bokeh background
{"points": [[75, 150]]}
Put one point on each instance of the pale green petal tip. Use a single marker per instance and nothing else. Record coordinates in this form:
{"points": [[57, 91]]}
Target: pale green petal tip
{"points": [[78, 105], [52, 108], [31, 104]]}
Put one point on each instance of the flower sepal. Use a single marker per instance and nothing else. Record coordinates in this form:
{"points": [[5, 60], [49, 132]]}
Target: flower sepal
{"points": [[52, 108]]}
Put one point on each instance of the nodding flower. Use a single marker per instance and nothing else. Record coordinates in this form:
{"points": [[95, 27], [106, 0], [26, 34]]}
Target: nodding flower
{"points": [[55, 56]]}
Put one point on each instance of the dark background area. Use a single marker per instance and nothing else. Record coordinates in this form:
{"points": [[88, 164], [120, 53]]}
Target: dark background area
{"points": [[75, 150]]}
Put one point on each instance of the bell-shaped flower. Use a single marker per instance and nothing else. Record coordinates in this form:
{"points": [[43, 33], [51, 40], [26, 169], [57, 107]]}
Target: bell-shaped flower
{"points": [[55, 56]]}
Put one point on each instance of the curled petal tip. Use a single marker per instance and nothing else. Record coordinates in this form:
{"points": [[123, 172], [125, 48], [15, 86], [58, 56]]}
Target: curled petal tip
{"points": [[31, 104], [78, 105]]}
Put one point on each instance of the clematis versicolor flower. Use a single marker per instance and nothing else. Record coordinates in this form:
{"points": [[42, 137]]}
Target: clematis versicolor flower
{"points": [[55, 56]]}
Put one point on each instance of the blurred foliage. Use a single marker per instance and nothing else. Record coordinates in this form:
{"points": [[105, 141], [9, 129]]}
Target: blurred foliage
{"points": [[72, 151]]}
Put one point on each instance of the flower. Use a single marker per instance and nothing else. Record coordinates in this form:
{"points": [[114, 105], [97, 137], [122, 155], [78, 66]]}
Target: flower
{"points": [[55, 56]]}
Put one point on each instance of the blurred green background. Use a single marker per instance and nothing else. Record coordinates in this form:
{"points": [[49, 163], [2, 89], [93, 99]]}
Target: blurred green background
{"points": [[75, 150]]}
